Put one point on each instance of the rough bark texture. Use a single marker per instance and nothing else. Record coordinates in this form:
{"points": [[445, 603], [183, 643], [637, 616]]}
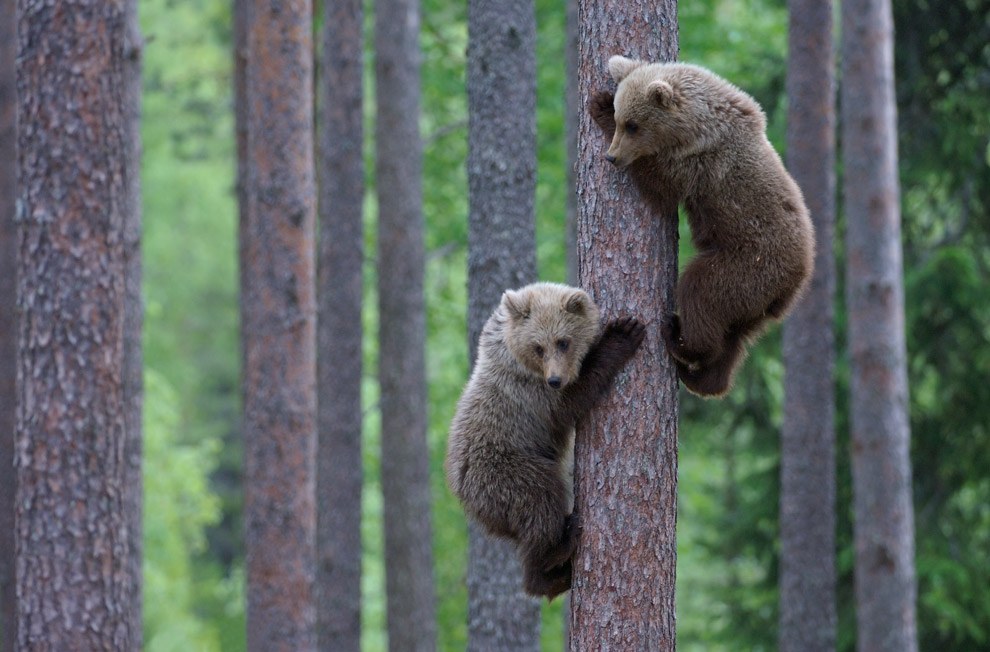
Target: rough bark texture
{"points": [[8, 320], [278, 310], [626, 453], [572, 124], [883, 512], [133, 312], [339, 477], [73, 555], [501, 167], [402, 335], [807, 477]]}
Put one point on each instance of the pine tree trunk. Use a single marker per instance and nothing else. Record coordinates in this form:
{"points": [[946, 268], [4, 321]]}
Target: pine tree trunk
{"points": [[278, 312], [339, 476], [807, 477], [626, 452], [133, 313], [74, 574], [8, 320], [881, 465], [402, 336], [572, 125], [501, 167]]}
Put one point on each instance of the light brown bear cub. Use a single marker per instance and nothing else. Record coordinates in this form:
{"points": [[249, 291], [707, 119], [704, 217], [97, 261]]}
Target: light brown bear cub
{"points": [[544, 361], [688, 136]]}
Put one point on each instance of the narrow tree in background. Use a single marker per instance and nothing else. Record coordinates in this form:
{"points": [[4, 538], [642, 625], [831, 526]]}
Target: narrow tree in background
{"points": [[501, 167], [881, 464], [402, 334], [626, 452], [341, 182], [807, 476], [74, 572], [8, 320], [133, 311], [278, 316]]}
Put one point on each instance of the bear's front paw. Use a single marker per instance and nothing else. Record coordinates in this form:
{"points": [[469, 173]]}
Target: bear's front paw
{"points": [[672, 338], [602, 111], [623, 336]]}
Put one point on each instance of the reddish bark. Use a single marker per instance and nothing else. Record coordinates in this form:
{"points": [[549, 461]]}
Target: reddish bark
{"points": [[74, 575], [807, 476], [626, 453], [339, 476], [882, 507], [278, 309]]}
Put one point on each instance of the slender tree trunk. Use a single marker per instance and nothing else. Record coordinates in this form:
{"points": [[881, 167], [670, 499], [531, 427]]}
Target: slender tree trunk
{"points": [[74, 575], [572, 125], [501, 72], [883, 511], [8, 320], [339, 477], [278, 311], [402, 335], [133, 312], [807, 476], [626, 452]]}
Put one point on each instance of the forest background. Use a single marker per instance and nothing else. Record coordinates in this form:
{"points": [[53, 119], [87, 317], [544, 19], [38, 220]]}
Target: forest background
{"points": [[729, 462]]}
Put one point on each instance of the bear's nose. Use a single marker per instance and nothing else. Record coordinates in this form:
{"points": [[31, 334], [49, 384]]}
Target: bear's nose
{"points": [[554, 381], [610, 158]]}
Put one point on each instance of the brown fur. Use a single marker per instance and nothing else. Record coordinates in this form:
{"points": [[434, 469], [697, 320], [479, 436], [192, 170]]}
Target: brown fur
{"points": [[688, 136], [508, 455]]}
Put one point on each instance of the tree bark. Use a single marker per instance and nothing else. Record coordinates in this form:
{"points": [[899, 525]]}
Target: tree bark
{"points": [[807, 476], [501, 167], [133, 313], [883, 511], [8, 320], [626, 452], [572, 125], [278, 311], [402, 335], [339, 476], [74, 575]]}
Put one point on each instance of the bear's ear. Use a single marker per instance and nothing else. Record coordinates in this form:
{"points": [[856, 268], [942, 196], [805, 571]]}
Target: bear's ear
{"points": [[662, 93], [577, 303], [619, 67], [516, 304]]}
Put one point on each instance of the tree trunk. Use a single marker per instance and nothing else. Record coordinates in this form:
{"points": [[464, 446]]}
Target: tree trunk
{"points": [[8, 320], [74, 575], [626, 452], [402, 336], [572, 125], [807, 476], [339, 476], [501, 167], [133, 312], [278, 312], [883, 511]]}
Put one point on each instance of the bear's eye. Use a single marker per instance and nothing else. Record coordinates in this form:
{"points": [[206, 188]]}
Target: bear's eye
{"points": [[538, 350], [631, 128], [563, 345]]}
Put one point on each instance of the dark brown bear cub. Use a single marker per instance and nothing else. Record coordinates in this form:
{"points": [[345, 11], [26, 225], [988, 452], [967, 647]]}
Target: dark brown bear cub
{"points": [[688, 136], [543, 362]]}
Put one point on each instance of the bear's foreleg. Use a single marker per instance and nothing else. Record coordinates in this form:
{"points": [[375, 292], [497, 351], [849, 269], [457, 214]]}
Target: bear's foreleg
{"points": [[602, 110]]}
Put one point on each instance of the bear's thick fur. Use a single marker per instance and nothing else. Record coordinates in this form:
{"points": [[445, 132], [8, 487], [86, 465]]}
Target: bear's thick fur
{"points": [[688, 136], [543, 362]]}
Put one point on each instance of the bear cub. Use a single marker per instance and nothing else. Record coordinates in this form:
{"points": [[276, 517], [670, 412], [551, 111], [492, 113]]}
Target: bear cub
{"points": [[543, 363], [688, 136]]}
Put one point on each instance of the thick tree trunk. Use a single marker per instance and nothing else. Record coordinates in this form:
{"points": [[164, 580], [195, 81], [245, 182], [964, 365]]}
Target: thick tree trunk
{"points": [[402, 336], [572, 125], [8, 320], [626, 453], [74, 575], [883, 511], [133, 312], [278, 310], [807, 476], [339, 476], [501, 167]]}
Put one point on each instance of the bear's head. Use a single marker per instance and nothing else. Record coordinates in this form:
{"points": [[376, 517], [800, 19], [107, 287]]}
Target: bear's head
{"points": [[549, 329], [673, 108]]}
